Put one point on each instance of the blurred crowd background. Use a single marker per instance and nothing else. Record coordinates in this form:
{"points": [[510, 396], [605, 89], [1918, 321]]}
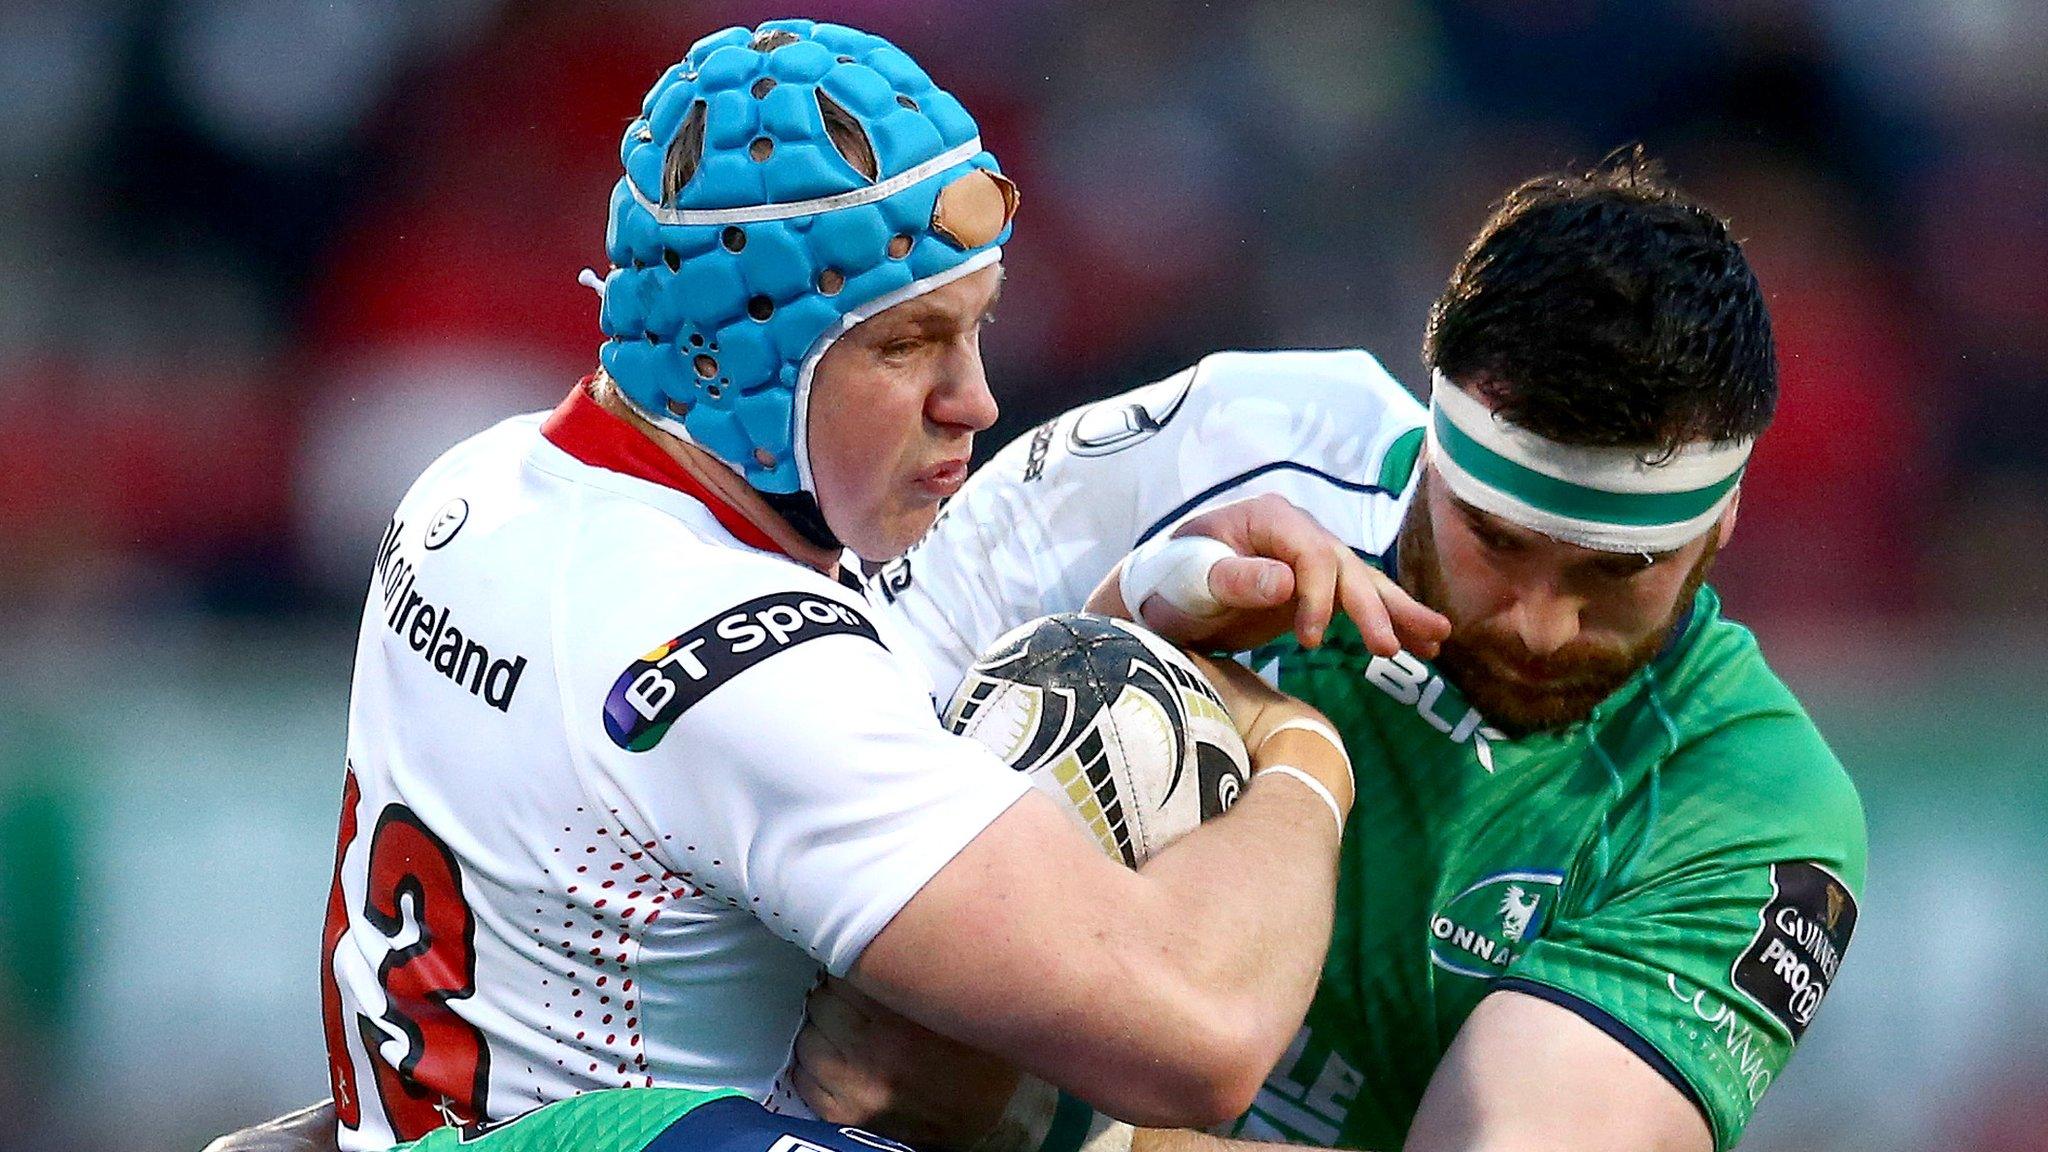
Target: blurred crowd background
{"points": [[261, 260]]}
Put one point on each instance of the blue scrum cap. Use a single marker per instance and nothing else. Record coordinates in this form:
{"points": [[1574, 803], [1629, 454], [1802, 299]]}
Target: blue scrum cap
{"points": [[747, 235]]}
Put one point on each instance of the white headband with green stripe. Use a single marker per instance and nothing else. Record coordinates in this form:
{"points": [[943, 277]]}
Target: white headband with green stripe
{"points": [[1609, 499]]}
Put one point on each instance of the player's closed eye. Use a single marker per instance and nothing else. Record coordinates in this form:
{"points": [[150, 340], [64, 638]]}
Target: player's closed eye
{"points": [[1626, 567], [1495, 540]]}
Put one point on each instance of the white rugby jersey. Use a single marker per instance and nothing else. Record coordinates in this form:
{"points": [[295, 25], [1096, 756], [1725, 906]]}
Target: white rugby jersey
{"points": [[621, 780], [1039, 526]]}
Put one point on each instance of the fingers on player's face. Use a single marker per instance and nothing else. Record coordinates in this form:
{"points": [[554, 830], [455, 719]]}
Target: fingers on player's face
{"points": [[1327, 573], [1388, 617]]}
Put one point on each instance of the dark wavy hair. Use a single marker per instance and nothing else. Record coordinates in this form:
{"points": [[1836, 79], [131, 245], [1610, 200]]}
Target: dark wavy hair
{"points": [[1609, 309]]}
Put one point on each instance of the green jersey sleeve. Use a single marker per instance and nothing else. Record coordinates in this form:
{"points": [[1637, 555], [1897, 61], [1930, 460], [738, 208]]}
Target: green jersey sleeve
{"points": [[620, 1120], [653, 1120], [1708, 939]]}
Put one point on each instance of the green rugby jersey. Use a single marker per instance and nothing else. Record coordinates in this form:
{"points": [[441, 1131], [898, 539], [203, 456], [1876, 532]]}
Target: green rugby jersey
{"points": [[652, 1120], [1681, 869]]}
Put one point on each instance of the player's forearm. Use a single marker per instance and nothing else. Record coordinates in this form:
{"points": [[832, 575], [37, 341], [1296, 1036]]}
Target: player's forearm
{"points": [[1255, 945], [1083, 972], [1198, 986], [309, 1129], [1188, 1140]]}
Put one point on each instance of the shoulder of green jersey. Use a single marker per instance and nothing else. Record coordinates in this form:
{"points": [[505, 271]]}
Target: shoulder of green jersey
{"points": [[1782, 793]]}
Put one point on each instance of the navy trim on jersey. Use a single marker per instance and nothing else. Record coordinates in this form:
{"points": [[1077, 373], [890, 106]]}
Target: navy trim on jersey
{"points": [[1222, 486], [1599, 1018], [737, 1124]]}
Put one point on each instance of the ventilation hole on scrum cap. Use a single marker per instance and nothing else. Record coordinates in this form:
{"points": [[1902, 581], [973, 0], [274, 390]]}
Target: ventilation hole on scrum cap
{"points": [[764, 458], [844, 59], [907, 102], [673, 259], [714, 391], [654, 338], [899, 246], [734, 238], [705, 365], [763, 87], [761, 149], [848, 137], [678, 408], [696, 340], [768, 40], [685, 153], [639, 264], [830, 281], [760, 307]]}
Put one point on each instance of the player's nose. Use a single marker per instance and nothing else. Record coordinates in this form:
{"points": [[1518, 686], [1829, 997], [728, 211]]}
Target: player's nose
{"points": [[962, 399], [1545, 621]]}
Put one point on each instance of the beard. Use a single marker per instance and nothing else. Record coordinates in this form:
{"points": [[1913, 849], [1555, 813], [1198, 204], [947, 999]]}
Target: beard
{"points": [[1518, 692]]}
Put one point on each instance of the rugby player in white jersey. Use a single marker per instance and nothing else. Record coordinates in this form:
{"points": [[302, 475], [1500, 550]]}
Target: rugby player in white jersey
{"points": [[630, 761]]}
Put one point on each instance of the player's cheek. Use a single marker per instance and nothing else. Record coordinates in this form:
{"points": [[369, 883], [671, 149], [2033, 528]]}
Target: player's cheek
{"points": [[1475, 589]]}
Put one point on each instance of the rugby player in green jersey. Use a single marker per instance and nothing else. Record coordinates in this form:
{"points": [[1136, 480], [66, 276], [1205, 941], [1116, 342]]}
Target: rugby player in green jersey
{"points": [[1602, 868]]}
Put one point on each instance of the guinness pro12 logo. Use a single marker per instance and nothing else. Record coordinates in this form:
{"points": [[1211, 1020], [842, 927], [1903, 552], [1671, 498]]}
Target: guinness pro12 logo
{"points": [[1792, 960]]}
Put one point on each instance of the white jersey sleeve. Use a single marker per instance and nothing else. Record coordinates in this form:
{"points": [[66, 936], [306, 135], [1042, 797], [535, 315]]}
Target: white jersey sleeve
{"points": [[791, 762], [1039, 526]]}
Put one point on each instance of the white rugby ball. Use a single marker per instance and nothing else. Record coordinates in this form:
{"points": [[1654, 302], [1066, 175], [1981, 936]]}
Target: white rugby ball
{"points": [[1112, 721]]}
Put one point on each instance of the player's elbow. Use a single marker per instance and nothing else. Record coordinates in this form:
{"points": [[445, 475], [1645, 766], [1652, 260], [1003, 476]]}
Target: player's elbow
{"points": [[1202, 1070], [1211, 1038], [1228, 1082], [1238, 1053]]}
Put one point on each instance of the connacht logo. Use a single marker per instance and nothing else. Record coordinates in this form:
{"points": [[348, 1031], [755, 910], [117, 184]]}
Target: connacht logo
{"points": [[1481, 930]]}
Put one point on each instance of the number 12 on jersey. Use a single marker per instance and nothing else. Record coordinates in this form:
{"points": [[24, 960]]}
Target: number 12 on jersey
{"points": [[430, 1065]]}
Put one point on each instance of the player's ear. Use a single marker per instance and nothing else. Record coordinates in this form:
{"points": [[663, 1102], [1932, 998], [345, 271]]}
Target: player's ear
{"points": [[1727, 527]]}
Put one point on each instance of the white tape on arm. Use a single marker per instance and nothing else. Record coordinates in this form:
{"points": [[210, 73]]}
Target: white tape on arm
{"points": [[1317, 727], [1314, 785], [1304, 724], [1175, 568]]}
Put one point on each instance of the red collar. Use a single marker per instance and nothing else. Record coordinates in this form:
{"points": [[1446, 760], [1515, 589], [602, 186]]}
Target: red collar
{"points": [[581, 427]]}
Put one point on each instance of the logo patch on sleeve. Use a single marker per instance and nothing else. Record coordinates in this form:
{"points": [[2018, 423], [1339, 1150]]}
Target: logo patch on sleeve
{"points": [[1123, 422], [1805, 928], [659, 687]]}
